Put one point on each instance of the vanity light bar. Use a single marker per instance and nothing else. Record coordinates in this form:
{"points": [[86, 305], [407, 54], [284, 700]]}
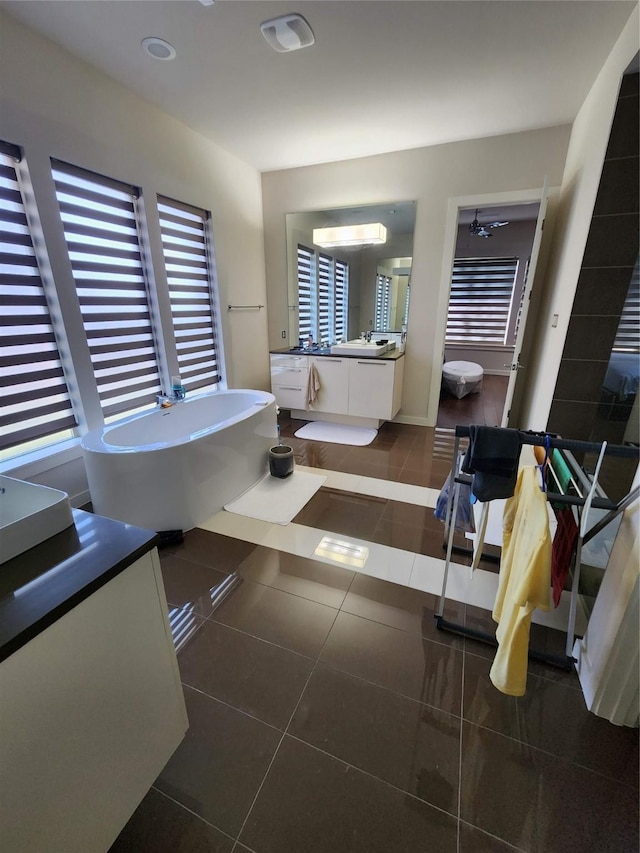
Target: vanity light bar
{"points": [[371, 233]]}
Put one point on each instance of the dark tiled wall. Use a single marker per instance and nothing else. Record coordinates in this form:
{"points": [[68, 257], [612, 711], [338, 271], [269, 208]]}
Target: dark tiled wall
{"points": [[607, 265]]}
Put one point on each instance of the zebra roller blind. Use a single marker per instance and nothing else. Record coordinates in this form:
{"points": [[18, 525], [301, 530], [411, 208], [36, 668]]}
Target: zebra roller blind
{"points": [[627, 335], [306, 292], [323, 297], [36, 401], [480, 300], [101, 230], [185, 242], [383, 303]]}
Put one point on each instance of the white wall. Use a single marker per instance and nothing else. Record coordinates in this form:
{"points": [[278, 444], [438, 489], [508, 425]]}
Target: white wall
{"points": [[431, 176], [55, 105], [585, 158]]}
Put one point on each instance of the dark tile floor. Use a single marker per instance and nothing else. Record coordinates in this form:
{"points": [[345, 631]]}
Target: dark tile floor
{"points": [[483, 408], [387, 522], [328, 714], [416, 455]]}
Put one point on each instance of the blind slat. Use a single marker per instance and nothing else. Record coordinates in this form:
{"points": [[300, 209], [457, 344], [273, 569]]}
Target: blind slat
{"points": [[113, 297], [39, 407], [192, 306]]}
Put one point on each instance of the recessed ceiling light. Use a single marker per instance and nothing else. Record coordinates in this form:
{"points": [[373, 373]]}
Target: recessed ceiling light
{"points": [[158, 48], [288, 32]]}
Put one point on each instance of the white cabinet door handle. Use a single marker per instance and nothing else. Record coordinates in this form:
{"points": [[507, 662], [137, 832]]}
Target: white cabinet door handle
{"points": [[288, 388], [373, 363]]}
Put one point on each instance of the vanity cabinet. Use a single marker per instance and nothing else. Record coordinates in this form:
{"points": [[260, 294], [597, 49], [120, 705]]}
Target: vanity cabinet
{"points": [[375, 388], [289, 378], [92, 704], [369, 389], [333, 394]]}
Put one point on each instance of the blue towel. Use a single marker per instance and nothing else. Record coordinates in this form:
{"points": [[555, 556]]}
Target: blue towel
{"points": [[464, 517]]}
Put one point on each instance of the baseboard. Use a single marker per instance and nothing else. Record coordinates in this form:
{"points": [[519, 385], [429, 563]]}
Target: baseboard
{"points": [[412, 420]]}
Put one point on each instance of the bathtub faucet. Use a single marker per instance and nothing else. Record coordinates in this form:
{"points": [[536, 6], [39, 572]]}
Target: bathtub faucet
{"points": [[166, 400]]}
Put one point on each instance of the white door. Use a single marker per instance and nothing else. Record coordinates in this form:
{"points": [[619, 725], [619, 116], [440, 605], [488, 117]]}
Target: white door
{"points": [[515, 372]]}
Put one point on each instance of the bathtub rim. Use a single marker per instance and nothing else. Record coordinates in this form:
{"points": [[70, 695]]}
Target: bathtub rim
{"points": [[94, 441]]}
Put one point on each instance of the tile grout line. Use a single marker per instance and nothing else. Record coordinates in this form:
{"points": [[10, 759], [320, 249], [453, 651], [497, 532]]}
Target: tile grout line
{"points": [[191, 812], [284, 733], [552, 755], [373, 776], [460, 747]]}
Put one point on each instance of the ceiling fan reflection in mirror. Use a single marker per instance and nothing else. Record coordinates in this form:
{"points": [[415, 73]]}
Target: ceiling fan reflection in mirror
{"points": [[478, 230]]}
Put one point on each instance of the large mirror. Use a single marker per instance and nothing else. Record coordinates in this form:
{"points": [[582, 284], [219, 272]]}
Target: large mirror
{"points": [[335, 292]]}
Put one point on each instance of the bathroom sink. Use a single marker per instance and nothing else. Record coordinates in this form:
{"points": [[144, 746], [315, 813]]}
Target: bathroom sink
{"points": [[360, 348], [29, 514]]}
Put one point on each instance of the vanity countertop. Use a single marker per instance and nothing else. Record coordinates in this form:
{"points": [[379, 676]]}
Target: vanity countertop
{"points": [[393, 355], [47, 581]]}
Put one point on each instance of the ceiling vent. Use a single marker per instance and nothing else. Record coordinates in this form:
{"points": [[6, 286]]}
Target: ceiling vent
{"points": [[288, 32]]}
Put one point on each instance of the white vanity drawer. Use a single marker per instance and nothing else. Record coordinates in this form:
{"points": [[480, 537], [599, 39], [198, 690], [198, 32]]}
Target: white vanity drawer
{"points": [[291, 360], [288, 375], [293, 396]]}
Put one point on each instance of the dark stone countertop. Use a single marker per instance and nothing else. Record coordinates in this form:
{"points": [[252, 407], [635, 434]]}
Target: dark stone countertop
{"points": [[393, 355], [47, 581]]}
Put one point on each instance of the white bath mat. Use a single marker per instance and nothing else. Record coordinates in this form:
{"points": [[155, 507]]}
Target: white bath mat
{"points": [[276, 499], [336, 433]]}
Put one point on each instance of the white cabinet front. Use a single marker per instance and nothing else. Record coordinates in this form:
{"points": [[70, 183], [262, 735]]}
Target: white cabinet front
{"points": [[289, 377], [371, 388], [333, 394]]}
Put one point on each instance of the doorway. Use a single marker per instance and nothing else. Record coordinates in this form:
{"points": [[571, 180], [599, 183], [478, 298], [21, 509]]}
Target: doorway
{"points": [[493, 257]]}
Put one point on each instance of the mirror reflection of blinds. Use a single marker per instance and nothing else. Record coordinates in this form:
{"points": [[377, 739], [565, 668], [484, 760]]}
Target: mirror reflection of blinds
{"points": [[306, 291], [325, 276], [101, 231], [341, 300], [185, 236], [383, 303], [36, 399], [405, 316], [480, 300], [628, 333]]}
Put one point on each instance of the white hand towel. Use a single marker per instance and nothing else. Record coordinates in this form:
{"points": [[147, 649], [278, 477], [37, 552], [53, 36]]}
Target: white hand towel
{"points": [[313, 384]]}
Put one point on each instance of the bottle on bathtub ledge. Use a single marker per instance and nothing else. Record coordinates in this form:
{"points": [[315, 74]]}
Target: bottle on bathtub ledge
{"points": [[178, 391]]}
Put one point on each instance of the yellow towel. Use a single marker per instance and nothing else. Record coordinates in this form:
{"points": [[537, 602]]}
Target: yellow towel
{"points": [[525, 580], [313, 384]]}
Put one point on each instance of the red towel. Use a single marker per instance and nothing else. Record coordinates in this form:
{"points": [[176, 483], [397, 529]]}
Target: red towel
{"points": [[564, 543]]}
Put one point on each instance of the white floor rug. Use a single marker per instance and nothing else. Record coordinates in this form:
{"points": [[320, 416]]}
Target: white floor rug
{"points": [[336, 433], [277, 500]]}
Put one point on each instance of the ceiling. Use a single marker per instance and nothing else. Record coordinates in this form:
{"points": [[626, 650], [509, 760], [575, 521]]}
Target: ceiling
{"points": [[383, 75]]}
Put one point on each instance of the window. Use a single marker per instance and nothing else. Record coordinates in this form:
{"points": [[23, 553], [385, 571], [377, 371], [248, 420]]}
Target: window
{"points": [[480, 300], [325, 277], [323, 297], [383, 303], [627, 334], [306, 290], [341, 301], [185, 242], [405, 313], [36, 408], [101, 230]]}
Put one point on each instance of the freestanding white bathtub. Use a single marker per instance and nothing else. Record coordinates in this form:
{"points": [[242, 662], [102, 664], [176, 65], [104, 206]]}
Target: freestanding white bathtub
{"points": [[171, 469]]}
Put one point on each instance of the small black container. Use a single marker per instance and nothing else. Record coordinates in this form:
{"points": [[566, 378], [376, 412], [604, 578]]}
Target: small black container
{"points": [[281, 460]]}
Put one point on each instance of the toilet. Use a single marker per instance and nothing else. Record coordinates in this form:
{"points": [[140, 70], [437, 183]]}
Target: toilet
{"points": [[462, 377]]}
